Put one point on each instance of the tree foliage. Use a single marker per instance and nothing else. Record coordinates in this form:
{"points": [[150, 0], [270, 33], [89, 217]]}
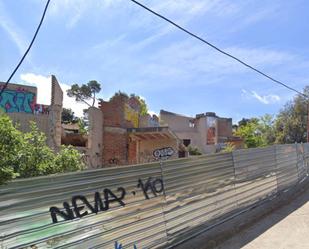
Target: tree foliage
{"points": [[291, 122], [27, 155], [257, 132], [143, 105], [194, 151], [68, 116], [85, 92]]}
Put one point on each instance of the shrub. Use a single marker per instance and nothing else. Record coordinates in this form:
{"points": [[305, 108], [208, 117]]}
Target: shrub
{"points": [[10, 145], [27, 155], [68, 159], [194, 151], [35, 158]]}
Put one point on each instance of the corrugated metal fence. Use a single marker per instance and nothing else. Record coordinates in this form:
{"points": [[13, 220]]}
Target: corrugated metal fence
{"points": [[150, 205]]}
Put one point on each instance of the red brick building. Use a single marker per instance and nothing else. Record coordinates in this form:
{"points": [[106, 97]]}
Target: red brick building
{"points": [[130, 138]]}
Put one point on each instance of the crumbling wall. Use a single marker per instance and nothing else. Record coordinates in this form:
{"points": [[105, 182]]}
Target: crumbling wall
{"points": [[95, 138], [54, 138]]}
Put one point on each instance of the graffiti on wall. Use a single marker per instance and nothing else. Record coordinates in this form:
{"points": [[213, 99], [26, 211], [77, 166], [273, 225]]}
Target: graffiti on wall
{"points": [[17, 100], [163, 153], [81, 206], [211, 130], [119, 246], [131, 115]]}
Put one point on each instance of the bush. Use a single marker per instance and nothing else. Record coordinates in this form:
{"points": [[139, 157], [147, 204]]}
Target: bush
{"points": [[68, 159], [35, 158], [10, 145], [194, 151], [229, 147], [27, 155]]}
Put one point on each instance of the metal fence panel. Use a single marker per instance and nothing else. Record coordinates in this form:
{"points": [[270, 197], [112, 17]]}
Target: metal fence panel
{"points": [[287, 173], [150, 205], [25, 219], [255, 175], [197, 191], [306, 157], [301, 166]]}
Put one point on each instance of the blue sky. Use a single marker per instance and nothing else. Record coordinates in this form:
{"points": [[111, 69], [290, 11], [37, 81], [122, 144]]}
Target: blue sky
{"points": [[126, 48]]}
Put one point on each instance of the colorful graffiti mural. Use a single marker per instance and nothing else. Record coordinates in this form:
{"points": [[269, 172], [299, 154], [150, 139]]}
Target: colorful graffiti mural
{"points": [[21, 100], [17, 101]]}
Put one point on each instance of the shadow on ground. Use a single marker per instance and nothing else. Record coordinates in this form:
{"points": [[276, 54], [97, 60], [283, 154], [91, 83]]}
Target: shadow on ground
{"points": [[286, 227]]}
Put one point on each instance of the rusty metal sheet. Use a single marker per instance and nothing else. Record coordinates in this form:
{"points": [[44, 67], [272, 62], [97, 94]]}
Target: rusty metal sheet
{"points": [[255, 175], [197, 190], [287, 172], [132, 217]]}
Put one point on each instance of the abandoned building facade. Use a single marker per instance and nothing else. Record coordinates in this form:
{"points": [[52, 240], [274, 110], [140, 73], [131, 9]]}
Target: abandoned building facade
{"points": [[207, 132], [118, 133]]}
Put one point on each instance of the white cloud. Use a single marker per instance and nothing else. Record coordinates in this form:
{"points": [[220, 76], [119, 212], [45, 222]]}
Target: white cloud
{"points": [[43, 84], [264, 99]]}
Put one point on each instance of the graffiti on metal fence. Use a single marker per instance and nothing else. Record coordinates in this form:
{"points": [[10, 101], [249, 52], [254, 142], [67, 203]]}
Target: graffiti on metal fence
{"points": [[155, 186], [119, 246], [80, 203], [163, 153], [17, 101]]}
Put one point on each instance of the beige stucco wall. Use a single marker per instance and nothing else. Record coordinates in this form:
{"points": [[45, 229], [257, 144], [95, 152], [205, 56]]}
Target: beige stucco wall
{"points": [[23, 120], [176, 122]]}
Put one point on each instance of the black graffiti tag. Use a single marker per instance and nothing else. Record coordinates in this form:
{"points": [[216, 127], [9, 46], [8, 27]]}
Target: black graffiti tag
{"points": [[79, 202], [155, 186], [81, 206]]}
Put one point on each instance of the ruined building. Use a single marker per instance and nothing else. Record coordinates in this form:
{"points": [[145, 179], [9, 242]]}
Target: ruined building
{"points": [[207, 132], [131, 138], [20, 103], [118, 134]]}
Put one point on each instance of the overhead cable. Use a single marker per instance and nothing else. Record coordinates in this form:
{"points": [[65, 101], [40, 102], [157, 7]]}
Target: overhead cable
{"points": [[27, 51], [218, 49]]}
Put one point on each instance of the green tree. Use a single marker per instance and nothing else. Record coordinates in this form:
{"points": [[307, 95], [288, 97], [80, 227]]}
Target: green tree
{"points": [[85, 92], [36, 158], [10, 144], [143, 105], [267, 129], [67, 160], [251, 133], [68, 116], [26, 154], [291, 122]]}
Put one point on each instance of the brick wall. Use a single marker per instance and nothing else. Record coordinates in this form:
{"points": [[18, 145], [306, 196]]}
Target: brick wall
{"points": [[115, 146], [113, 113], [132, 153], [224, 127]]}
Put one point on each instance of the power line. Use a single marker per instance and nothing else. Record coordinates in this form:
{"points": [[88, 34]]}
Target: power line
{"points": [[28, 49], [218, 49]]}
